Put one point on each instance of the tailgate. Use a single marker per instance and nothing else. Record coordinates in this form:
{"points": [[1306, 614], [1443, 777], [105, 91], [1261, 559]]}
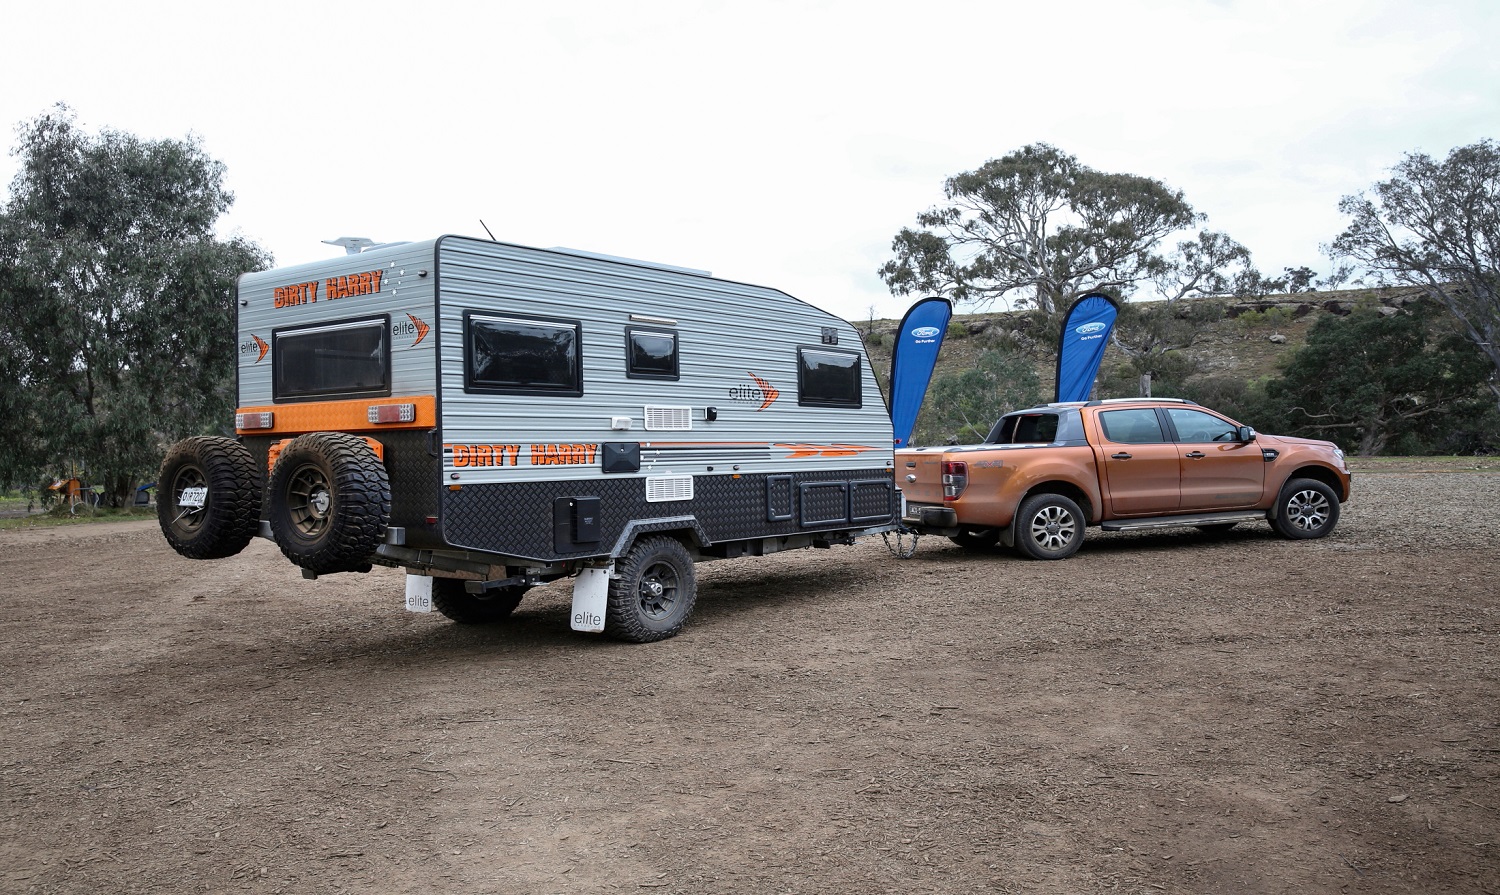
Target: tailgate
{"points": [[919, 475]]}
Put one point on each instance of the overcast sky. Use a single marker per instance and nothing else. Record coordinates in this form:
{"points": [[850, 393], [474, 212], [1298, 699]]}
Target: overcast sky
{"points": [[781, 144]]}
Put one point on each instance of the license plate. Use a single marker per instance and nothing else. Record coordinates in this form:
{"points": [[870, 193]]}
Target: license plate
{"points": [[193, 497]]}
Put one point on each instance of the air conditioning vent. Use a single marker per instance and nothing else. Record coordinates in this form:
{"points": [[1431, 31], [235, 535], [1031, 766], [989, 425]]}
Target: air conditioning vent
{"points": [[668, 418], [669, 487]]}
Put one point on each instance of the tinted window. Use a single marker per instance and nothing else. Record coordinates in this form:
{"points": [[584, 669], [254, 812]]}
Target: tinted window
{"points": [[1027, 428], [1138, 426], [521, 354], [650, 354], [1197, 427], [828, 378], [349, 359]]}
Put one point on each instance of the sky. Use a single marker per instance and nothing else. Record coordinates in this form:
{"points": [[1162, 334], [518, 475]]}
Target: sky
{"points": [[776, 143]]}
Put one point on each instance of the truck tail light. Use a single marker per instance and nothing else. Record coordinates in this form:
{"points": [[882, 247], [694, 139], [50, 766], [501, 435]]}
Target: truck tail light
{"points": [[955, 478]]}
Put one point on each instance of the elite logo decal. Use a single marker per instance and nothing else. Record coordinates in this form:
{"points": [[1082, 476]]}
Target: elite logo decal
{"points": [[256, 346], [762, 391], [417, 327]]}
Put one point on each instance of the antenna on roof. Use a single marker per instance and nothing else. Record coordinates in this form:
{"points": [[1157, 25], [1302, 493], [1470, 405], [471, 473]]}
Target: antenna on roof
{"points": [[353, 245], [487, 230]]}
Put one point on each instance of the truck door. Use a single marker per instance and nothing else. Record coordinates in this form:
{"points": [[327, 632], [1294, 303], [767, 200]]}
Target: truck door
{"points": [[1219, 472], [1140, 463]]}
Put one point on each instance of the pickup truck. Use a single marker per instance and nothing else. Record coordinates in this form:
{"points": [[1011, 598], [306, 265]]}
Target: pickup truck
{"points": [[1046, 473]]}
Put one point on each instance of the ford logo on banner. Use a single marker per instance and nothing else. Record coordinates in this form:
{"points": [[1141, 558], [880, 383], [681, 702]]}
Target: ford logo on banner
{"points": [[920, 337], [1080, 347]]}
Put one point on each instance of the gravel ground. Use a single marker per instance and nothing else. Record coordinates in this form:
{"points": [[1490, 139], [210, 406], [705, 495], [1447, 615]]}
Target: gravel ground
{"points": [[1167, 712]]}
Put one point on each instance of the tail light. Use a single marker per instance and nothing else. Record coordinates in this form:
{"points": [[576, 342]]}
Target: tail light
{"points": [[955, 478]]}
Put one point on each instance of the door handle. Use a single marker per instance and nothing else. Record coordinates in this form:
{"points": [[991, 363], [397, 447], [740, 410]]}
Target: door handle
{"points": [[1196, 455], [1120, 456]]}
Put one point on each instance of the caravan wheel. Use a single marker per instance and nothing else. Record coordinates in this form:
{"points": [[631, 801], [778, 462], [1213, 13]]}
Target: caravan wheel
{"points": [[654, 592], [330, 502], [219, 520]]}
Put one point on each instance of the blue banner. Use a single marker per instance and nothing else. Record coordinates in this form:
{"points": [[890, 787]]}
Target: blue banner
{"points": [[912, 359], [1080, 350]]}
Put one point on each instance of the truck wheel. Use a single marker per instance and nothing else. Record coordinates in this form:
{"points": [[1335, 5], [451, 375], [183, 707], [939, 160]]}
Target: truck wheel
{"points": [[653, 593], [330, 502], [977, 538], [230, 513], [1306, 508], [495, 604], [1048, 526]]}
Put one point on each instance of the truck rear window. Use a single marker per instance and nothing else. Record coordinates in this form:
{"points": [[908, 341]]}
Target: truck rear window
{"points": [[522, 354], [350, 359]]}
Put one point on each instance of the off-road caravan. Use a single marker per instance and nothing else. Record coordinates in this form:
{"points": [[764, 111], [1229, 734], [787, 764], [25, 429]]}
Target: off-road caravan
{"points": [[491, 417]]}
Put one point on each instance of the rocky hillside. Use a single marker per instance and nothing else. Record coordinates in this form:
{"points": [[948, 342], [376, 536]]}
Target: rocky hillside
{"points": [[1249, 341]]}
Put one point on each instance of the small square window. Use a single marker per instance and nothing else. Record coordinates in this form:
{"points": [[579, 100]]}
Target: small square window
{"points": [[828, 378], [650, 354]]}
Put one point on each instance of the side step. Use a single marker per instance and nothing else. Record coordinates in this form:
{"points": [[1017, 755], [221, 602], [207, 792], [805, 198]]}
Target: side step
{"points": [[1175, 521]]}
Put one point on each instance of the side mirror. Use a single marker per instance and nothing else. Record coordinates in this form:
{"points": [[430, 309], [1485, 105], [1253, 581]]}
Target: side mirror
{"points": [[1246, 434]]}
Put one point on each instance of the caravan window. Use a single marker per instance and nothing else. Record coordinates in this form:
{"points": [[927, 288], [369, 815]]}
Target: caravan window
{"points": [[828, 378], [650, 354], [341, 360], [522, 354]]}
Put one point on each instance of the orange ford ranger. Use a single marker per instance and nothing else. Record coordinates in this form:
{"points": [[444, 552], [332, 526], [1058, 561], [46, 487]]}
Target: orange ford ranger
{"points": [[1044, 474]]}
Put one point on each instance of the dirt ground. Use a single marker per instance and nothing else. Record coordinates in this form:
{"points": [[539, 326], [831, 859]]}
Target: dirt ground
{"points": [[1162, 713]]}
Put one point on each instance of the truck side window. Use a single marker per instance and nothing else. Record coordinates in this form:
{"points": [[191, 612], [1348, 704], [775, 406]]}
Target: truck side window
{"points": [[522, 354], [650, 354], [1197, 427], [349, 359], [1136, 426], [828, 378]]}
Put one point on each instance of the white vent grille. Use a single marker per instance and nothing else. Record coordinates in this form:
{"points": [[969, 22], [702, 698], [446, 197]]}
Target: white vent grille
{"points": [[669, 487], [666, 418]]}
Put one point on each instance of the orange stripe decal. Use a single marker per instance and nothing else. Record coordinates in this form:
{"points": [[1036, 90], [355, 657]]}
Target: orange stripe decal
{"points": [[803, 451]]}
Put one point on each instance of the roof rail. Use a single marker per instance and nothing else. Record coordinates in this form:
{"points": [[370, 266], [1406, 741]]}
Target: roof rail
{"points": [[1139, 400]]}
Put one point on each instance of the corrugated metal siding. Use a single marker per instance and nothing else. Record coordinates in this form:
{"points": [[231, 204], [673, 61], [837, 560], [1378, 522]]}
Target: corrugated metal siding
{"points": [[728, 333], [402, 292]]}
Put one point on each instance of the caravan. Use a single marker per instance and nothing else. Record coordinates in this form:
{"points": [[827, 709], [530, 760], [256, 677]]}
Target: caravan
{"points": [[491, 417]]}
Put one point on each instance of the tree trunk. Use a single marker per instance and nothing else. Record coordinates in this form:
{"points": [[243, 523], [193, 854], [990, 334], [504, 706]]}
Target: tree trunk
{"points": [[1145, 385]]}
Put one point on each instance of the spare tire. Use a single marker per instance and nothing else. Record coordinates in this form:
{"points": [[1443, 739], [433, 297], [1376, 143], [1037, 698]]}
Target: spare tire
{"points": [[330, 502], [221, 512]]}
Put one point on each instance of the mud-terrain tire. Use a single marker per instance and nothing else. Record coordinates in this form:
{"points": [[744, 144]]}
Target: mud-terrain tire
{"points": [[977, 539], [1048, 526], [1306, 508], [494, 605], [230, 515], [653, 592], [330, 502]]}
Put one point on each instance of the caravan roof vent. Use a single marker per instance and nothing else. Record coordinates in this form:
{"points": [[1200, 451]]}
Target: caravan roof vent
{"points": [[660, 418]]}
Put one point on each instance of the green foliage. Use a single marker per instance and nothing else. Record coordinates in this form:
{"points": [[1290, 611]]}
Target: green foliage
{"points": [[1152, 336], [1371, 380], [1038, 227], [116, 298], [1435, 226], [963, 406], [1262, 323]]}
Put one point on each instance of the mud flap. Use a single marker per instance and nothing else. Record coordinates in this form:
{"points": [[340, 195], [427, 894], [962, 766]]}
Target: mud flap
{"points": [[590, 593], [418, 593]]}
